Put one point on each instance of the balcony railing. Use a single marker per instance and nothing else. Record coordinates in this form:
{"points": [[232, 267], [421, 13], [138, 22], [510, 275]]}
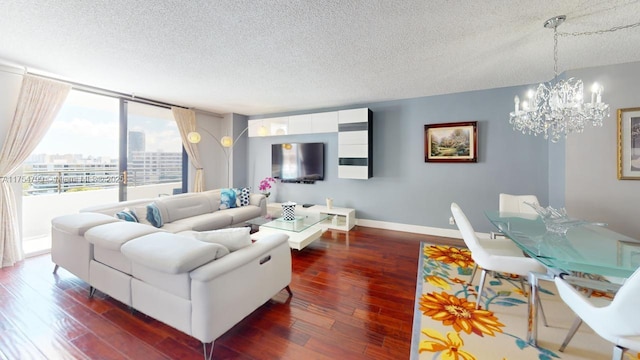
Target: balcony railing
{"points": [[36, 182]]}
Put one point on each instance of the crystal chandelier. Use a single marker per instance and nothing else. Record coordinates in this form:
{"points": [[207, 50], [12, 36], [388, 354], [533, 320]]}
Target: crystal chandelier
{"points": [[557, 109]]}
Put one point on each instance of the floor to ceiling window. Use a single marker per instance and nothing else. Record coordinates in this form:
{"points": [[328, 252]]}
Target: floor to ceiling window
{"points": [[154, 152], [89, 151]]}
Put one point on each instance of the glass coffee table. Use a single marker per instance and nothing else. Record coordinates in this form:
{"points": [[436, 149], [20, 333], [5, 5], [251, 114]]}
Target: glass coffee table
{"points": [[302, 231]]}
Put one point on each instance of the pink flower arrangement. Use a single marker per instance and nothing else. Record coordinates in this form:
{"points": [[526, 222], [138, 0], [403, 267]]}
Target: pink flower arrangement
{"points": [[265, 185]]}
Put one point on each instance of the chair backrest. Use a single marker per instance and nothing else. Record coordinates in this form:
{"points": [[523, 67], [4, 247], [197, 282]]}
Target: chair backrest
{"points": [[516, 203], [468, 234], [624, 307]]}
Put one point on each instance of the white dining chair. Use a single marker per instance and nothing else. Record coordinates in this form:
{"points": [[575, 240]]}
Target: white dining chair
{"points": [[517, 203], [617, 322], [493, 255]]}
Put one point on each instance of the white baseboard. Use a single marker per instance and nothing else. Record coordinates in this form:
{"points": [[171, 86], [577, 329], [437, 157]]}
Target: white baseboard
{"points": [[417, 229]]}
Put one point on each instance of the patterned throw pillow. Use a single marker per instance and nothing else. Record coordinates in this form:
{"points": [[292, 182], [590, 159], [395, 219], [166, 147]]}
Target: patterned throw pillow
{"points": [[227, 199], [243, 196], [154, 216], [127, 215]]}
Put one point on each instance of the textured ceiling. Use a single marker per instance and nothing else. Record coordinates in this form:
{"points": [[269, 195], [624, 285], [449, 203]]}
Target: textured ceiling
{"points": [[259, 57]]}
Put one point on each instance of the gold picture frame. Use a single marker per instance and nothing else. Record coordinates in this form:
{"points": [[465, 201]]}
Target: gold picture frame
{"points": [[629, 144]]}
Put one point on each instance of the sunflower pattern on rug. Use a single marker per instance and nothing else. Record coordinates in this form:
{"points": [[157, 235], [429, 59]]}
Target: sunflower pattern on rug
{"points": [[447, 325]]}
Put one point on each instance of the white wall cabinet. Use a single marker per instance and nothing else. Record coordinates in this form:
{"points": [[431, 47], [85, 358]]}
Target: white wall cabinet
{"points": [[317, 123], [354, 128], [300, 124], [277, 126], [355, 144], [326, 122]]}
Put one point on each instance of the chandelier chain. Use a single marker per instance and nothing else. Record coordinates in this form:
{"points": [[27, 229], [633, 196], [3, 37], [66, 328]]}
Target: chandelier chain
{"points": [[600, 32], [555, 52]]}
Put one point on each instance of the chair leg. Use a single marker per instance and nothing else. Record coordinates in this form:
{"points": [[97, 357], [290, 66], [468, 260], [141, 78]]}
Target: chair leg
{"points": [[289, 291], [208, 356], [572, 331], [473, 273], [618, 352], [55, 268], [92, 291], [574, 327], [483, 277], [544, 317]]}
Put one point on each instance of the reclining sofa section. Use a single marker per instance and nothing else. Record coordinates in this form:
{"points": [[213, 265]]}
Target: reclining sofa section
{"points": [[197, 287]]}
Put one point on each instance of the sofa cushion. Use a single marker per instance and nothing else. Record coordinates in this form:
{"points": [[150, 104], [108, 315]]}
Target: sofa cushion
{"points": [[232, 238], [141, 214], [78, 224], [184, 206], [112, 236], [227, 199], [242, 214], [175, 227], [211, 221], [171, 253]]}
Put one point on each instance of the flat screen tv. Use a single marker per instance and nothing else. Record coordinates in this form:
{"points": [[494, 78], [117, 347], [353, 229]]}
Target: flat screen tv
{"points": [[297, 162]]}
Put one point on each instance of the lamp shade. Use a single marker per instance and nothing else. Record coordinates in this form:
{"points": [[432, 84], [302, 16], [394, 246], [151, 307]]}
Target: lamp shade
{"points": [[226, 141], [194, 137], [262, 131]]}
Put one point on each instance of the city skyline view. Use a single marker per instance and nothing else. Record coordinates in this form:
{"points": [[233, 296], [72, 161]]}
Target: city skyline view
{"points": [[81, 148], [88, 124]]}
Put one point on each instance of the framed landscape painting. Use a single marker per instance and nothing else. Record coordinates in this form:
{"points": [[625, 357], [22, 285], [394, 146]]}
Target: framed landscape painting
{"points": [[629, 144], [451, 142]]}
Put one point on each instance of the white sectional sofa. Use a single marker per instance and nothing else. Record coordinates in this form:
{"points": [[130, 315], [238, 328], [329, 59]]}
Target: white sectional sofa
{"points": [[198, 287]]}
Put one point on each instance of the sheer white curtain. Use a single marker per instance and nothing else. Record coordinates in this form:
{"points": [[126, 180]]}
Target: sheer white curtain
{"points": [[186, 120], [38, 104]]}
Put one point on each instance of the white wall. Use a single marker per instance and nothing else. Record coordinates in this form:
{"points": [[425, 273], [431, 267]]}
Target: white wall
{"points": [[592, 189], [214, 160]]}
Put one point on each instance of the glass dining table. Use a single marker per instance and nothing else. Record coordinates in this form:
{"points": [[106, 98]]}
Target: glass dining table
{"points": [[584, 248]]}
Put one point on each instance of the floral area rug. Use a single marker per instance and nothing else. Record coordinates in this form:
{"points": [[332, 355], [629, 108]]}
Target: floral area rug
{"points": [[447, 326]]}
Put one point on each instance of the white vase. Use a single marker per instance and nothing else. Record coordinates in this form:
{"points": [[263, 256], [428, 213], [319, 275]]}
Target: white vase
{"points": [[329, 203]]}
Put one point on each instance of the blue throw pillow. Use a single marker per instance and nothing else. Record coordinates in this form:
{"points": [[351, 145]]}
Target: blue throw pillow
{"points": [[227, 199], [127, 215], [154, 216]]}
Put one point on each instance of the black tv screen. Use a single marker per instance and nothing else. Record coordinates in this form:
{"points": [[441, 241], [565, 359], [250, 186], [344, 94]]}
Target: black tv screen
{"points": [[297, 162]]}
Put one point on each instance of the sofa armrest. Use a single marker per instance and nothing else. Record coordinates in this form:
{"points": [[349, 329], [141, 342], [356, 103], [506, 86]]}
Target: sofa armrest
{"points": [[260, 201], [239, 258], [226, 290]]}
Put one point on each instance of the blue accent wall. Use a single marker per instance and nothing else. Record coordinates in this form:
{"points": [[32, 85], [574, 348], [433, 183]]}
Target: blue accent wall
{"points": [[406, 190]]}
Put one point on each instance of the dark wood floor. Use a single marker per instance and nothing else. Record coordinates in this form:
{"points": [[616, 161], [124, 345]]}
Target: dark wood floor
{"points": [[353, 299]]}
